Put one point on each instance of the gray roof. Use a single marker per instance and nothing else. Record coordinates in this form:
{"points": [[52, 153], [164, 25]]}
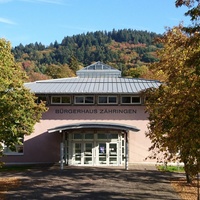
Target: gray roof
{"points": [[89, 82], [79, 85]]}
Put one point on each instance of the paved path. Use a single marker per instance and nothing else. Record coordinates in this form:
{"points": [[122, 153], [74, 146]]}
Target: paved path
{"points": [[140, 182]]}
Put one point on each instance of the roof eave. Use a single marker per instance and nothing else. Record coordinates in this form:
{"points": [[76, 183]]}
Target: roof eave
{"points": [[102, 125]]}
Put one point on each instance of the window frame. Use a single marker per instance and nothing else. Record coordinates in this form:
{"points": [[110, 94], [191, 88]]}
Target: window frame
{"points": [[107, 99], [131, 100], [60, 100], [84, 97]]}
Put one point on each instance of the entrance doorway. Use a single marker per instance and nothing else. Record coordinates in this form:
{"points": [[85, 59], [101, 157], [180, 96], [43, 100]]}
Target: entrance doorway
{"points": [[100, 149]]}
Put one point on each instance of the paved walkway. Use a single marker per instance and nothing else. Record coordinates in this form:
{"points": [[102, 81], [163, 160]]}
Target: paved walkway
{"points": [[140, 182]]}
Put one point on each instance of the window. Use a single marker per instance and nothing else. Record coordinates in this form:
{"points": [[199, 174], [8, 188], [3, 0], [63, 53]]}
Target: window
{"points": [[130, 100], [60, 100], [84, 100], [114, 136], [55, 99], [89, 136], [126, 99], [89, 99], [112, 99], [136, 100], [77, 136], [107, 99], [65, 100], [18, 149], [79, 99], [102, 136], [102, 99]]}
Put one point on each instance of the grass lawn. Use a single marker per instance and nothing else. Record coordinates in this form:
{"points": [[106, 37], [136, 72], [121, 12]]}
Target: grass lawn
{"points": [[171, 168]]}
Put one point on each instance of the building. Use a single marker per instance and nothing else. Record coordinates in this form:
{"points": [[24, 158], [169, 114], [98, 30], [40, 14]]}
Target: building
{"points": [[95, 119]]}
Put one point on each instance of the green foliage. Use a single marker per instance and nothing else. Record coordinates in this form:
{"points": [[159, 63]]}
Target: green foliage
{"points": [[126, 47], [18, 110], [174, 108], [59, 71], [74, 65], [193, 12], [183, 118], [137, 72]]}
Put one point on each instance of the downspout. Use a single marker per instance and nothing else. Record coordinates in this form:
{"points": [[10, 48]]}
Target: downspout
{"points": [[62, 150], [126, 150]]}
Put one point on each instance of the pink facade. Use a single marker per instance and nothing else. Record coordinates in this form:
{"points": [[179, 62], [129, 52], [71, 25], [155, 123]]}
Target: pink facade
{"points": [[44, 147]]}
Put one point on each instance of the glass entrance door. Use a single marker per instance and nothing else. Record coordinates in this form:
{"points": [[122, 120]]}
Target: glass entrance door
{"points": [[102, 153], [95, 149], [88, 153], [113, 155], [107, 153], [77, 149], [83, 153]]}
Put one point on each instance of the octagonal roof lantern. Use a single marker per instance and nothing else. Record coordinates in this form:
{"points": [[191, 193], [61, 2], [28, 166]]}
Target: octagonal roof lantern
{"points": [[98, 70]]}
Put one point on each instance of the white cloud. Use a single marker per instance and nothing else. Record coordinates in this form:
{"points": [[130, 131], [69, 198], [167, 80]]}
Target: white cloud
{"points": [[6, 21]]}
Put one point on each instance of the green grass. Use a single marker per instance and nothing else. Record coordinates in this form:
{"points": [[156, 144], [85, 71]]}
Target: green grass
{"points": [[170, 168]]}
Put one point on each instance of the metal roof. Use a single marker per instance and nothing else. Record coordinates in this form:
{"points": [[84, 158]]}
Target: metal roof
{"points": [[79, 85], [89, 82], [94, 125]]}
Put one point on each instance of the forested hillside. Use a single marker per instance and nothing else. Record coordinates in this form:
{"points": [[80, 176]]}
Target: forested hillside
{"points": [[128, 50]]}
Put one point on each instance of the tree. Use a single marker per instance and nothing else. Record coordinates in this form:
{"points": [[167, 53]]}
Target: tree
{"points": [[193, 12], [174, 108], [59, 71], [18, 110], [137, 71], [73, 64]]}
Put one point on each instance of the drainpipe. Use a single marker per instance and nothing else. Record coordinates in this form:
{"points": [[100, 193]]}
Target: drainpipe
{"points": [[126, 148], [62, 151], [61, 155]]}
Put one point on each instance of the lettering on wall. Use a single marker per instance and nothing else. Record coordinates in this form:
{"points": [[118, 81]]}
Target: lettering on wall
{"points": [[95, 111]]}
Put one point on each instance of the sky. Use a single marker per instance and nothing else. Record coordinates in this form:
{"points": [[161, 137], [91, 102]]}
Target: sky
{"points": [[47, 21]]}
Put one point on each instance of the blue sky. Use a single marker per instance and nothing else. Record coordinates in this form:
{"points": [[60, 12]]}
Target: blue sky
{"points": [[45, 21]]}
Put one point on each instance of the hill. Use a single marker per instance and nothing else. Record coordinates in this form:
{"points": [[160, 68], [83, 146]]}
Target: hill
{"points": [[125, 49]]}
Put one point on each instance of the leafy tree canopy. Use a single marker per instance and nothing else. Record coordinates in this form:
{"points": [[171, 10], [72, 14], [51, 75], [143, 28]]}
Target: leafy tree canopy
{"points": [[193, 12], [18, 110], [123, 49], [174, 108]]}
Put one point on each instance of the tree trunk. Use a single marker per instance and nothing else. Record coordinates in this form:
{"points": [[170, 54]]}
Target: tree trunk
{"points": [[188, 178], [188, 173]]}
